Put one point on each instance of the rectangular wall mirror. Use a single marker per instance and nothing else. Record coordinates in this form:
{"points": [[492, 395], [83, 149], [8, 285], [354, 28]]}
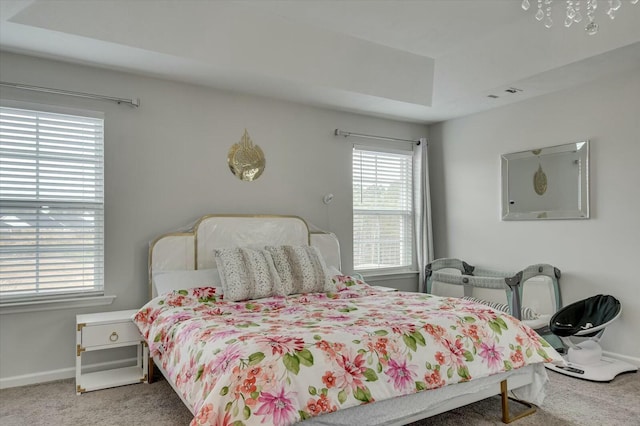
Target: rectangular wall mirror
{"points": [[546, 183]]}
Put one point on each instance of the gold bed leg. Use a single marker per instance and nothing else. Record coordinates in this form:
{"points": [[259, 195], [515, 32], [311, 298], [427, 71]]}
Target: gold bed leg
{"points": [[506, 416], [150, 373]]}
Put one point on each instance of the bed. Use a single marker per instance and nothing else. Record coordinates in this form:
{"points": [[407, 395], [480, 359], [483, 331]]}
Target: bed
{"points": [[300, 342]]}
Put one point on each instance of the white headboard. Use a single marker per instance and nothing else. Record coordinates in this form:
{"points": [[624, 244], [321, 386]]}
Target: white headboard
{"points": [[193, 249]]}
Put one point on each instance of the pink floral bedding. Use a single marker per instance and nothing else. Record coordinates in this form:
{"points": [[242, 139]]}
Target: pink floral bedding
{"points": [[279, 360]]}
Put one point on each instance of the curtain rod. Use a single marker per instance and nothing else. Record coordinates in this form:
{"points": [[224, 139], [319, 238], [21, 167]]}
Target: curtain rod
{"points": [[339, 132], [133, 102]]}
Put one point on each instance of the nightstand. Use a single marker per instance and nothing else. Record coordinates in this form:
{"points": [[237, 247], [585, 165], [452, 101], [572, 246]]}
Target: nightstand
{"points": [[108, 330]]}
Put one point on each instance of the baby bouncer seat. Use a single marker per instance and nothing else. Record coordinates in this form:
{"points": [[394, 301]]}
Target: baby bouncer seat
{"points": [[587, 319]]}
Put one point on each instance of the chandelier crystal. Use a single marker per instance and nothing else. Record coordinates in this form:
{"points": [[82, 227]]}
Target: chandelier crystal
{"points": [[574, 11]]}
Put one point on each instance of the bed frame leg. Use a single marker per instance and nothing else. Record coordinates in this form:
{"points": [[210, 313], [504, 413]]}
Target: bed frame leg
{"points": [[506, 415], [150, 373]]}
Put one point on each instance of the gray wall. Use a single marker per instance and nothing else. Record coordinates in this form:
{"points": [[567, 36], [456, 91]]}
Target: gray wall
{"points": [[598, 255], [165, 166]]}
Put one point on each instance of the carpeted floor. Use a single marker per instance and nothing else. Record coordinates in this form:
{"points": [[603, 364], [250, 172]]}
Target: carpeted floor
{"points": [[569, 402]]}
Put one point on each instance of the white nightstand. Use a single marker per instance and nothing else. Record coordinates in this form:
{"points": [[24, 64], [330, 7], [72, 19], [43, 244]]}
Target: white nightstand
{"points": [[107, 330]]}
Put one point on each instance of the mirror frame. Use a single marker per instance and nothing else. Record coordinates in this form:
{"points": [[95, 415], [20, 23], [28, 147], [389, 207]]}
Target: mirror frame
{"points": [[581, 211]]}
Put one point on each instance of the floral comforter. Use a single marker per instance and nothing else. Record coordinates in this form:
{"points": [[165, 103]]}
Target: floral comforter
{"points": [[280, 360]]}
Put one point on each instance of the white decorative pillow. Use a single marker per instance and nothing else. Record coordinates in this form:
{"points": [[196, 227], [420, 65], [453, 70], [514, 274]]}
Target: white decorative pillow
{"points": [[301, 269], [528, 314], [333, 271], [167, 281], [247, 274]]}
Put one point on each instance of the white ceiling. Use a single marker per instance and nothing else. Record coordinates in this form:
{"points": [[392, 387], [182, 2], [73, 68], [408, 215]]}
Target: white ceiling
{"points": [[421, 60]]}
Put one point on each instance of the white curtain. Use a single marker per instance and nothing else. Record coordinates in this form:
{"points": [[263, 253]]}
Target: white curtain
{"points": [[422, 200]]}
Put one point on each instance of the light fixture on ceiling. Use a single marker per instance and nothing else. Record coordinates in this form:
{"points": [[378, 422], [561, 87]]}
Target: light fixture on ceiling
{"points": [[511, 90], [574, 10]]}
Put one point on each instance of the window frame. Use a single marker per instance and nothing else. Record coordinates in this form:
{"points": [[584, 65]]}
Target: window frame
{"points": [[95, 296], [396, 271]]}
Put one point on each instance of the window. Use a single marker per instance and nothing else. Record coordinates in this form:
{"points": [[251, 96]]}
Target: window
{"points": [[382, 209], [51, 205]]}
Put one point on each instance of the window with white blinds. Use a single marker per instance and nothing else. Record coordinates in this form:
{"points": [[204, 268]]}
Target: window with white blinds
{"points": [[382, 209], [51, 205]]}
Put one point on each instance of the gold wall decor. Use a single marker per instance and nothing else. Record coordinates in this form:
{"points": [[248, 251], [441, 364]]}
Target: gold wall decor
{"points": [[540, 181], [246, 160]]}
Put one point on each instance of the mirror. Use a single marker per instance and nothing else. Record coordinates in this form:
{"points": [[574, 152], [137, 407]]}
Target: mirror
{"points": [[546, 183]]}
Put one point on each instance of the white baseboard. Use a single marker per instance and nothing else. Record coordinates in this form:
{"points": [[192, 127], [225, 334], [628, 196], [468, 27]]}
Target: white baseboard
{"points": [[629, 359], [63, 373]]}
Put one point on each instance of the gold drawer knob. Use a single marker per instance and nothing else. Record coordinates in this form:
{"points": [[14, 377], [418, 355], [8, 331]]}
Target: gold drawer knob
{"points": [[114, 337]]}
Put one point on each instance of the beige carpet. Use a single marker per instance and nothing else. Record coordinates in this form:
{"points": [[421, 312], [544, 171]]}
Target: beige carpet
{"points": [[569, 402]]}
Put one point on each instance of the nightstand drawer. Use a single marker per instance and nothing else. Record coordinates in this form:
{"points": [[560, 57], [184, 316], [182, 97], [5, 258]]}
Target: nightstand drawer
{"points": [[110, 334]]}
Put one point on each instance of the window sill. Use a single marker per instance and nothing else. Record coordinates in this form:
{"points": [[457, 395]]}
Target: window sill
{"points": [[371, 277], [48, 305]]}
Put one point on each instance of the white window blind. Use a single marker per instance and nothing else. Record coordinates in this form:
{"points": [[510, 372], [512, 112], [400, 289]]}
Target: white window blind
{"points": [[382, 209], [51, 205]]}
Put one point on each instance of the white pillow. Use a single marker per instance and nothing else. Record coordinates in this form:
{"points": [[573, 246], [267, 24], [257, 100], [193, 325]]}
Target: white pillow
{"points": [[167, 281], [333, 271]]}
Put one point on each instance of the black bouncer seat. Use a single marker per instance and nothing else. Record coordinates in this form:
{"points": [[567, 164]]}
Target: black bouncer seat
{"points": [[587, 319]]}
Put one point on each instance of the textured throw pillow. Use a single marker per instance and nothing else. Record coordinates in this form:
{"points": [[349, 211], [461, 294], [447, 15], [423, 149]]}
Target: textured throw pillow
{"points": [[301, 269], [528, 314], [247, 274]]}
